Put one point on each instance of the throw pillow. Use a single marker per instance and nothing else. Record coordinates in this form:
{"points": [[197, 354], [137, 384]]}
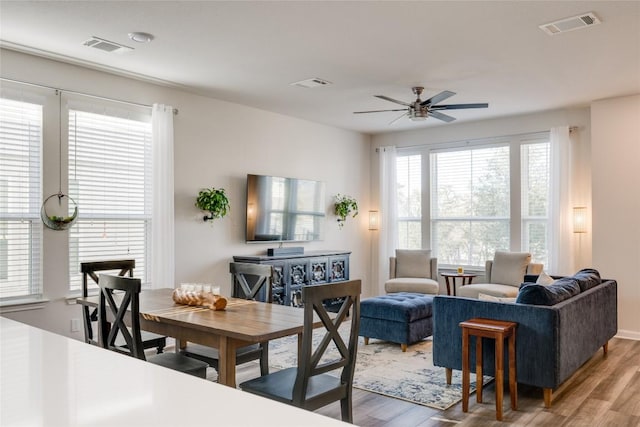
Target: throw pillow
{"points": [[509, 268], [561, 290], [413, 263], [587, 278], [544, 279], [487, 297]]}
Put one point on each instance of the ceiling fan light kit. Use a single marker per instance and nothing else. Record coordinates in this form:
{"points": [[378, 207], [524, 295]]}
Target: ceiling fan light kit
{"points": [[420, 110]]}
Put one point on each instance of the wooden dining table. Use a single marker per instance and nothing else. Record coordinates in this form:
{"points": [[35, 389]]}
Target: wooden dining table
{"points": [[242, 323]]}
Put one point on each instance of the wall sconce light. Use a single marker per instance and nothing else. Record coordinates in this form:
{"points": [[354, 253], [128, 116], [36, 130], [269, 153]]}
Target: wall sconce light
{"points": [[373, 220], [580, 219]]}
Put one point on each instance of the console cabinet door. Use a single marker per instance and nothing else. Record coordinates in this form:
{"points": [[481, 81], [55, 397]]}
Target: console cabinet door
{"points": [[319, 271], [297, 277], [338, 268]]}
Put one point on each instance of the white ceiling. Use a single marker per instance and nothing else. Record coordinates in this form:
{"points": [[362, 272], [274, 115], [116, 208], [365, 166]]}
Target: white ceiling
{"points": [[249, 52]]}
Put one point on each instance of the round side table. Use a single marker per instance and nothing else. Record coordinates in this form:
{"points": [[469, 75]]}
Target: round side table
{"points": [[466, 280]]}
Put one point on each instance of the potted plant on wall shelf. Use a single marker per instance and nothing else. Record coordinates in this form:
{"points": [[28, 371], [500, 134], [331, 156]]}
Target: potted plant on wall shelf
{"points": [[344, 206], [214, 201]]}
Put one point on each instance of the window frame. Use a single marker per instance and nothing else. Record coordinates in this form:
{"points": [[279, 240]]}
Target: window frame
{"points": [[515, 217]]}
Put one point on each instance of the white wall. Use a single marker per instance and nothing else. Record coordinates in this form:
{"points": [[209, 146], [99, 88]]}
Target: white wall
{"points": [[615, 125], [216, 144]]}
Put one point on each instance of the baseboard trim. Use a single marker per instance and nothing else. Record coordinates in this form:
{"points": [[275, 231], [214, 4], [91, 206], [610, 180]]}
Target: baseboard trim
{"points": [[628, 335]]}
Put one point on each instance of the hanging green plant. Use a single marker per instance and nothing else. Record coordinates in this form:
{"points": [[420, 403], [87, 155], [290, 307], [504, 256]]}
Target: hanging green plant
{"points": [[344, 206], [214, 201]]}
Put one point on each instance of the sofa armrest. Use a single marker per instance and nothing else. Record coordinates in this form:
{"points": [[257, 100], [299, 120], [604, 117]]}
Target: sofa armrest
{"points": [[392, 267], [434, 269], [537, 337]]}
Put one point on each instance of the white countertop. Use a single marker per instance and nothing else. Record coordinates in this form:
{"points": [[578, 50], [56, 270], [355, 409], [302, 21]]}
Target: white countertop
{"points": [[51, 380]]}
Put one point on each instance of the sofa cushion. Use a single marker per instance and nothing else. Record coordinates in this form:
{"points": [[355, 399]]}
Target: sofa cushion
{"points": [[487, 297], [413, 263], [474, 290], [412, 284], [509, 268], [587, 278], [562, 289]]}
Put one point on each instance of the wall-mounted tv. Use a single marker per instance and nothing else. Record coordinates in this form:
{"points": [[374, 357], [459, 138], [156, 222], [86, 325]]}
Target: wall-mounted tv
{"points": [[284, 209]]}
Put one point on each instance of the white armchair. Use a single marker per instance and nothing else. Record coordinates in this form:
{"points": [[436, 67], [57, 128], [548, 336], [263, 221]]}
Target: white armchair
{"points": [[413, 271], [503, 275]]}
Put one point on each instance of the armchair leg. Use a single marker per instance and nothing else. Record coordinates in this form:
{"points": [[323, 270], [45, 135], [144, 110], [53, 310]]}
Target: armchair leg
{"points": [[605, 348], [448, 373]]}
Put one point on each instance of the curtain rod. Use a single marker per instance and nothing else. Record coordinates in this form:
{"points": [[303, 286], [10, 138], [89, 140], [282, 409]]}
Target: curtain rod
{"points": [[571, 129], [175, 110]]}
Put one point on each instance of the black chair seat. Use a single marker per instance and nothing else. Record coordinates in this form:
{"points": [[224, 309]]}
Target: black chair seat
{"points": [[279, 385], [149, 340], [180, 363], [211, 355]]}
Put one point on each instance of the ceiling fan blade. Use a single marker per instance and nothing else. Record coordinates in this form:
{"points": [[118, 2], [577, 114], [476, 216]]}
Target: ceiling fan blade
{"points": [[398, 118], [378, 111], [440, 116], [386, 98], [458, 106], [438, 98]]}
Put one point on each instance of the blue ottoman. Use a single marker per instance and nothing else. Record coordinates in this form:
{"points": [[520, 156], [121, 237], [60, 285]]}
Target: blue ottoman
{"points": [[401, 317]]}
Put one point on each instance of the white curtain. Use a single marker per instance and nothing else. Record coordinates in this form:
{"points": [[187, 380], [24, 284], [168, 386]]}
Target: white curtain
{"points": [[388, 234], [162, 228], [561, 256]]}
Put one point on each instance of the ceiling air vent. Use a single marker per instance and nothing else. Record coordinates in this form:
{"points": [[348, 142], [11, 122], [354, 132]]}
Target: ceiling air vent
{"points": [[106, 45], [569, 24], [309, 83]]}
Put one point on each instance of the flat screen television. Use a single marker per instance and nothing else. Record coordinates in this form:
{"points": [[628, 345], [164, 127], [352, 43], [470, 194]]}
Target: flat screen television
{"points": [[284, 209]]}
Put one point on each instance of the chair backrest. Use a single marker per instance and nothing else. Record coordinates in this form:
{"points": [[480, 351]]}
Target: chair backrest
{"points": [[114, 308], [310, 359], [90, 270], [509, 268], [413, 263], [252, 281]]}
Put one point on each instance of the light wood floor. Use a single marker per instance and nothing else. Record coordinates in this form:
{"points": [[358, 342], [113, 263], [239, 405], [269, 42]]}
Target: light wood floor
{"points": [[604, 392]]}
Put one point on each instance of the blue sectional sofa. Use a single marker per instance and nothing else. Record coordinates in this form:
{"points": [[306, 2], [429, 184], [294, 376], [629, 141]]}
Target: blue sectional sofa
{"points": [[552, 341]]}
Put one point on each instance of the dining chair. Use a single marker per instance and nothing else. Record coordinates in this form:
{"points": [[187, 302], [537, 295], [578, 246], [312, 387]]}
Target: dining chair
{"points": [[253, 282], [124, 267], [127, 303], [309, 385]]}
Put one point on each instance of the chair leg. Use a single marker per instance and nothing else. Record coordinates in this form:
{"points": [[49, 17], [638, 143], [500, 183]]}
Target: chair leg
{"points": [[264, 359], [346, 409], [160, 348]]}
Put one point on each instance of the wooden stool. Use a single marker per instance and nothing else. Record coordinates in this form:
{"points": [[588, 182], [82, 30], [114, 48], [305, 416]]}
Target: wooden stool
{"points": [[497, 330]]}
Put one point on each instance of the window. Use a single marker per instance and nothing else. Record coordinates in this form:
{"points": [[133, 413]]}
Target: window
{"points": [[110, 179], [482, 196], [20, 197]]}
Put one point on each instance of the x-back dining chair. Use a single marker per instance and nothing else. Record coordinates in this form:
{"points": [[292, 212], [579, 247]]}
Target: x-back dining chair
{"points": [[308, 385], [114, 308], [123, 267], [253, 282]]}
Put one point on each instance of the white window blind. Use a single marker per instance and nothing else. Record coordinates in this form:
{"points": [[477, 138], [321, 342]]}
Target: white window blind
{"points": [[470, 199], [20, 199], [110, 179], [409, 199]]}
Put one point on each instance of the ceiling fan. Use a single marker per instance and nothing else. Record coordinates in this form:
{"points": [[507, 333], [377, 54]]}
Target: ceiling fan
{"points": [[420, 110]]}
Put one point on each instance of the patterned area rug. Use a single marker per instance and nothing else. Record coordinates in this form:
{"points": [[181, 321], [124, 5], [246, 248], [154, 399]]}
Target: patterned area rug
{"points": [[382, 367]]}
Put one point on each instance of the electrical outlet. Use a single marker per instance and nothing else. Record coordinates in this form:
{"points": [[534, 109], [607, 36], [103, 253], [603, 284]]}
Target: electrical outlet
{"points": [[75, 325]]}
